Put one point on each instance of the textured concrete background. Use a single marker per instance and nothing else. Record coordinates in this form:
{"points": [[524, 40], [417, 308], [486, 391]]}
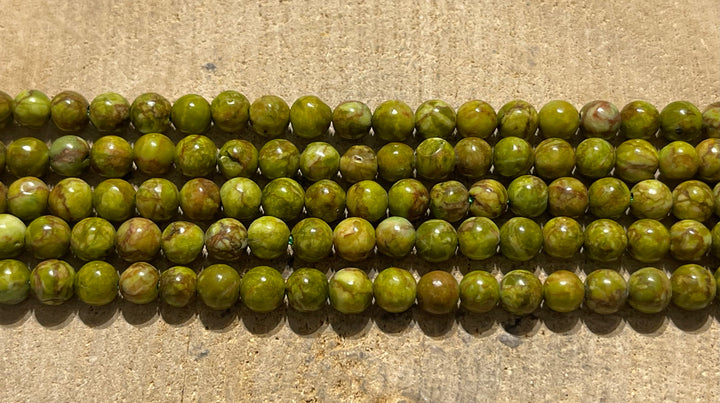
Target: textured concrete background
{"points": [[413, 50]]}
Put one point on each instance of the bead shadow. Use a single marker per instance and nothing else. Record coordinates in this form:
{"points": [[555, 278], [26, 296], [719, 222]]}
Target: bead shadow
{"points": [[178, 317], [99, 316], [218, 320], [139, 315], [55, 316], [526, 325], [690, 321], [602, 325], [391, 323], [438, 326], [15, 315], [646, 324], [566, 323], [307, 323], [262, 324], [478, 324], [353, 325]]}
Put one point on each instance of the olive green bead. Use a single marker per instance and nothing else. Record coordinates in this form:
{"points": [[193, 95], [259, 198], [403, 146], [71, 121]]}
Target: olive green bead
{"points": [[358, 163], [139, 283], [716, 196], [474, 157], [520, 292], [12, 236], [191, 114], [567, 197], [218, 286], [14, 281], [708, 152], [554, 158], [605, 291], [648, 240], [354, 239], [650, 199], [639, 120], [111, 157], [479, 292], [528, 196], [226, 239], [438, 292], [177, 286], [476, 119], [114, 199], [150, 113], [241, 198], [408, 198], [512, 156], [6, 108], [563, 291], [109, 112], [262, 289], [449, 201], [52, 281], [649, 290], [352, 120], [520, 239], [367, 199], [96, 283], [690, 240], [69, 155], [319, 160], [693, 287], [395, 237], [636, 160], [310, 117], [307, 290], [393, 121], [230, 111], [350, 291], [435, 118], [434, 159], [195, 156], [268, 237], [157, 199], [238, 158], [517, 118], [283, 198], [711, 120], [395, 290], [31, 108], [605, 240], [489, 198], [28, 156], [678, 161], [3, 155], [599, 119], [562, 237], [182, 242], [27, 198], [47, 237], [137, 239], [436, 241], [92, 239], [269, 116], [681, 120], [608, 198], [478, 238], [279, 158], [594, 158], [558, 119], [200, 199], [154, 154], [715, 239], [325, 199], [693, 200], [717, 282], [312, 239], [69, 111], [395, 161]]}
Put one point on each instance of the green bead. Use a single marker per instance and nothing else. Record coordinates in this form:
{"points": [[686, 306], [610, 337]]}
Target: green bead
{"points": [[562, 237], [479, 292], [177, 286], [307, 290], [52, 281], [157, 199], [31, 108], [650, 199], [3, 155], [283, 198], [6, 107], [14, 281], [648, 240], [528, 196], [310, 117], [393, 121], [690, 240], [69, 111], [639, 120], [636, 160], [554, 158], [111, 157], [269, 116], [108, 112], [558, 119], [195, 156], [711, 120], [218, 286], [693, 287], [358, 163], [47, 237], [350, 291], [262, 289], [609, 198], [352, 120], [474, 157], [28, 156], [27, 198], [599, 119], [12, 236], [279, 158], [230, 111], [92, 239], [517, 119], [114, 199], [605, 240], [182, 242], [96, 283], [708, 152], [325, 199], [150, 113], [154, 154], [237, 158], [520, 292], [354, 239], [241, 198], [715, 239], [318, 161], [605, 291], [489, 198], [139, 283], [395, 161], [435, 118], [476, 119], [312, 239], [408, 198], [693, 200], [268, 237], [394, 289], [367, 199], [69, 155], [594, 158], [436, 241], [478, 238], [226, 239], [520, 239], [681, 120], [200, 199], [191, 114], [438, 292], [563, 291], [449, 201], [138, 239], [649, 290], [434, 159], [513, 156], [716, 196], [678, 161], [567, 197], [395, 237]]}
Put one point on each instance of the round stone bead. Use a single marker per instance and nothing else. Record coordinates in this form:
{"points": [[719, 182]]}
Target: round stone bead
{"points": [[690, 240], [478, 238], [435, 118], [479, 292], [350, 291], [605, 291], [195, 156], [558, 119], [114, 199], [395, 237], [693, 287], [562, 237], [438, 292], [283, 198], [268, 237], [594, 158], [150, 113], [708, 152], [408, 198], [310, 117], [520, 292], [111, 157], [52, 281], [715, 236], [96, 283], [47, 237], [319, 160], [678, 161], [476, 119], [269, 116], [711, 120], [177, 286], [563, 291], [649, 290], [12, 236], [368, 200], [716, 196], [554, 158], [92, 239], [312, 240], [237, 158], [608, 198], [279, 158], [6, 107], [393, 121], [226, 239], [139, 283], [31, 108], [474, 157], [605, 240], [358, 163], [200, 199], [69, 111], [636, 160], [69, 155], [449, 201], [157, 199], [395, 290], [182, 242], [230, 111], [218, 286], [567, 197], [434, 159], [154, 154], [14, 281], [520, 239], [307, 290], [191, 114], [354, 239], [3, 155], [693, 200], [528, 196], [639, 120], [262, 289], [681, 120], [109, 112], [27, 198], [352, 120], [436, 241], [325, 199], [648, 240], [513, 156], [517, 118], [489, 198], [395, 161], [599, 119], [28, 156], [241, 198], [650, 199], [138, 239]]}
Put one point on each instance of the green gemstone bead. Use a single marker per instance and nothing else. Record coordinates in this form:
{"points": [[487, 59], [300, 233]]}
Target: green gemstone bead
{"points": [[558, 119], [325, 199], [517, 118], [307, 290], [310, 117], [562, 237], [395, 237], [154, 154], [513, 156], [312, 239], [563, 291], [177, 286], [639, 120], [114, 199], [354, 239], [269, 116], [605, 240], [715, 239], [157, 199], [31, 108], [474, 157], [226, 239], [268, 237], [283, 198], [218, 286], [476, 119], [599, 119], [182, 242], [436, 241], [395, 290], [520, 239], [138, 239], [649, 290], [693, 200], [52, 281], [196, 156], [449, 201], [14, 281], [318, 161], [191, 114], [27, 198], [12, 236], [150, 113], [92, 239], [648, 240], [69, 111], [358, 163], [438, 292], [3, 155], [47, 237], [230, 111], [139, 283], [111, 157], [238, 158], [708, 152], [241, 198], [489, 198], [395, 161], [479, 292], [279, 158], [408, 198], [528, 196], [109, 112], [69, 155], [520, 292], [609, 198], [681, 120], [690, 240], [96, 283], [650, 199], [594, 158], [636, 160], [554, 158], [678, 161], [200, 199], [6, 108], [28, 156], [605, 291], [567, 197], [262, 289], [435, 118], [350, 291], [716, 196], [693, 287], [478, 238], [711, 120], [393, 121], [352, 120], [367, 199], [434, 159]]}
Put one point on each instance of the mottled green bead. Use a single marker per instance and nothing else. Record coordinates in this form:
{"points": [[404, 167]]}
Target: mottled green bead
{"points": [[513, 156], [649, 290], [639, 120], [226, 239], [47, 237], [358, 163], [150, 113], [562, 237], [438, 292], [395, 161], [693, 287], [154, 154], [6, 107], [367, 199], [678, 161], [599, 119], [307, 290], [28, 156], [474, 157], [708, 152], [594, 158], [27, 198], [69, 155], [200, 199], [283, 198], [31, 108], [137, 239], [520, 239], [435, 118], [605, 291], [690, 240], [558, 119], [489, 198], [476, 119], [528, 196], [12, 236], [636, 160], [269, 116], [52, 281], [563, 291], [567, 197], [177, 286], [408, 198], [230, 111], [517, 118], [354, 239], [711, 120], [109, 112], [241, 198], [434, 159], [715, 239], [237, 158], [681, 120], [520, 292], [96, 283], [478, 238], [395, 237], [262, 289], [268, 237], [650, 199], [111, 157], [716, 196], [352, 120], [195, 156], [394, 289], [648, 240], [92, 239], [608, 198], [350, 291], [14, 281], [319, 160], [279, 158], [69, 111], [310, 117], [191, 114], [312, 239], [157, 199], [182, 242], [693, 200], [436, 241], [479, 292], [605, 240], [139, 283], [393, 121], [554, 158], [325, 199], [218, 286], [114, 199], [449, 201]]}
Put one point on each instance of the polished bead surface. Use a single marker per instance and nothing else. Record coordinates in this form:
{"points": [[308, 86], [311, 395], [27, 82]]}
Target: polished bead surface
{"points": [[693, 200], [435, 118], [568, 197], [31, 108], [395, 237], [513, 156], [268, 237], [554, 158], [200, 199], [14, 281], [352, 120], [319, 160], [690, 240], [681, 120], [283, 198], [648, 240], [262, 289], [436, 241], [325, 199], [649, 290], [393, 121], [528, 196], [27, 198], [650, 199], [92, 239], [109, 112], [605, 240], [226, 239], [230, 111], [310, 117], [150, 113], [474, 157], [599, 119], [408, 198], [438, 292], [307, 290], [358, 163], [177, 286], [640, 120], [489, 198], [395, 161], [394, 289], [693, 287], [237, 158], [6, 108], [594, 158], [269, 116], [12, 236], [28, 156], [711, 120], [708, 152], [114, 199], [520, 292], [559, 119], [195, 156], [218, 286], [350, 291], [137, 239], [182, 242], [678, 161], [154, 154], [312, 239], [479, 292], [96, 283], [47, 237], [69, 111], [608, 198], [434, 159], [354, 239], [520, 239], [279, 158], [636, 160], [52, 281], [562, 237], [605, 291], [449, 201], [563, 291], [111, 157], [517, 118], [476, 119], [191, 114], [241, 198], [478, 238], [157, 199], [69, 155]]}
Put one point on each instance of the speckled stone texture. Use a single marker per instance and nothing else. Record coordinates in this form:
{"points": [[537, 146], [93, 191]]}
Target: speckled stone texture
{"points": [[369, 51]]}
